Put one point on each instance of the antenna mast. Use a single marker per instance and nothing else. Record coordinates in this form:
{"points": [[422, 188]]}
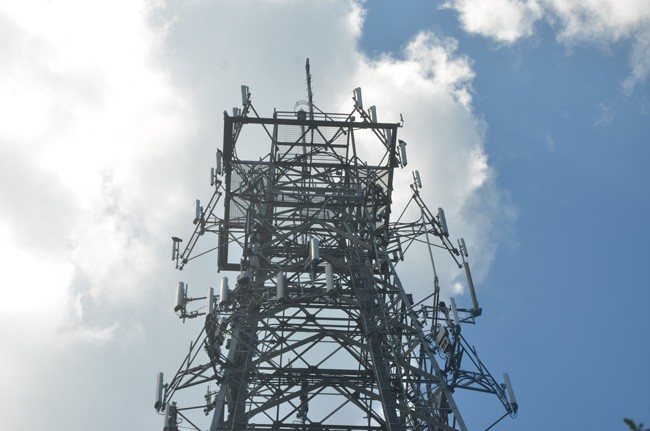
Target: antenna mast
{"points": [[312, 329], [310, 95]]}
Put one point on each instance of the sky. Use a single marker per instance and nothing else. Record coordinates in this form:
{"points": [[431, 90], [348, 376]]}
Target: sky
{"points": [[527, 120]]}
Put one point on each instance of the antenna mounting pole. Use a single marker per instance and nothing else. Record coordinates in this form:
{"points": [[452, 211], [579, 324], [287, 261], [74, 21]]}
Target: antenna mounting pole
{"points": [[310, 94]]}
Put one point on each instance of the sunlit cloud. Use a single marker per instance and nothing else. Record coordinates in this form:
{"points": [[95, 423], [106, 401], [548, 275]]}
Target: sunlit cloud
{"points": [[505, 21], [597, 22]]}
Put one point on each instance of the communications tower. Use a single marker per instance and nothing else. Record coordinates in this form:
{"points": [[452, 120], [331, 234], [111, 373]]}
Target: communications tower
{"points": [[312, 329]]}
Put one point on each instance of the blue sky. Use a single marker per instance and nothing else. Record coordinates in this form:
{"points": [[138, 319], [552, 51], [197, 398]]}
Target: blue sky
{"points": [[567, 311], [528, 120]]}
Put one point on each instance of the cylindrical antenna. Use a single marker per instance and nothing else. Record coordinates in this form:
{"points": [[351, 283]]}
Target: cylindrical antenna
{"points": [[314, 251], [209, 305], [358, 101], [443, 222], [511, 392], [223, 291], [454, 311], [180, 296], [402, 152], [281, 291], [470, 284], [373, 113], [329, 278], [159, 391]]}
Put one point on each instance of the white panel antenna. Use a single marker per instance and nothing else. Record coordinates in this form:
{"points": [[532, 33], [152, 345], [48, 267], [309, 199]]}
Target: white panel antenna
{"points": [[175, 246], [223, 291], [402, 152], [220, 329], [358, 101], [417, 180], [245, 95], [470, 284], [329, 278], [441, 337], [159, 391], [209, 305], [197, 211], [168, 414], [463, 247], [373, 113], [443, 222], [219, 162], [281, 291], [180, 296], [511, 392], [314, 251], [454, 311]]}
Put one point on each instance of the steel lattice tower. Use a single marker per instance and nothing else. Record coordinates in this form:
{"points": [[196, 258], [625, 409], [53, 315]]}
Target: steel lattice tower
{"points": [[315, 331]]}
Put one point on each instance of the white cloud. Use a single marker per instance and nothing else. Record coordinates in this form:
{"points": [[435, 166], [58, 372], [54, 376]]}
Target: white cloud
{"points": [[600, 22], [502, 20], [90, 116], [91, 127], [605, 20], [432, 87], [605, 116], [639, 60], [436, 60], [113, 113]]}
